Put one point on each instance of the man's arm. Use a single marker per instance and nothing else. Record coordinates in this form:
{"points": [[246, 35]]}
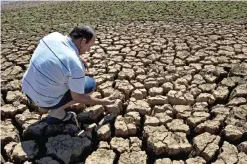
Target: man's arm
{"points": [[88, 100]]}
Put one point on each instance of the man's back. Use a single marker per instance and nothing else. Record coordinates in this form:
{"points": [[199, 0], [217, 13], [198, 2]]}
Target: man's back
{"points": [[54, 61]]}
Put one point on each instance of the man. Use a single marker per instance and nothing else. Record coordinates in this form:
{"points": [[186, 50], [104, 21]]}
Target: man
{"points": [[55, 78]]}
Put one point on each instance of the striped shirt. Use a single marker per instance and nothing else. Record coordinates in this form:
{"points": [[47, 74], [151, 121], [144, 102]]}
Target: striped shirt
{"points": [[55, 68]]}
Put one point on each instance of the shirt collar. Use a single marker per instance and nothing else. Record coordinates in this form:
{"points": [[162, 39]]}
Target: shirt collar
{"points": [[72, 45]]}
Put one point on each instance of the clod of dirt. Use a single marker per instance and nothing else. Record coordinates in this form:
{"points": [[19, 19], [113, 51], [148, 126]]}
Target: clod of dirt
{"points": [[117, 107], [103, 132], [8, 132], [228, 154], [101, 156], [242, 147], [16, 96], [92, 113], [46, 160], [206, 145], [161, 141], [157, 100], [25, 150], [196, 160], [67, 148], [233, 133], [210, 126], [9, 110], [140, 106], [127, 125], [137, 157]]}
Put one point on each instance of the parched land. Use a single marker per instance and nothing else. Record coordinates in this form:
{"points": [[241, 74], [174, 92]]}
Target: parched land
{"points": [[178, 72]]}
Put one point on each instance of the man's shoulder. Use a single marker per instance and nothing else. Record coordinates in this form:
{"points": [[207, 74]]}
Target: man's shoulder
{"points": [[54, 36]]}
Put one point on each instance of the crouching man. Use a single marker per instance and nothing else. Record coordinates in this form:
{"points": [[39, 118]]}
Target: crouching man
{"points": [[55, 78]]}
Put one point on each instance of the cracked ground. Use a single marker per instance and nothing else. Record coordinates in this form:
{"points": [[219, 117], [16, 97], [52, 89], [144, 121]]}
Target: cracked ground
{"points": [[178, 72]]}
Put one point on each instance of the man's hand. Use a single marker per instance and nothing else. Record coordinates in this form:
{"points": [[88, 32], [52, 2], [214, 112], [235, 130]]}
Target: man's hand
{"points": [[108, 101]]}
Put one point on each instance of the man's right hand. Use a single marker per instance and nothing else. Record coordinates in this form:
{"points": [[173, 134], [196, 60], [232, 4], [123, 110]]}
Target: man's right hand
{"points": [[108, 101]]}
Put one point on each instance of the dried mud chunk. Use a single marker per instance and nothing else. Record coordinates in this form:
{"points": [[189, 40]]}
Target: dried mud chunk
{"points": [[141, 78], [242, 158], [197, 118], [207, 87], [137, 85], [120, 144], [242, 147], [228, 82], [152, 121], [167, 87], [220, 110], [116, 94], [195, 92], [178, 125], [9, 110], [239, 91], [67, 148], [176, 97], [11, 72], [26, 119], [125, 87], [8, 132], [163, 161], [161, 141], [137, 94], [117, 107], [126, 74], [140, 106], [163, 118], [237, 101], [103, 132], [25, 150], [14, 85], [233, 133], [210, 78], [107, 91], [101, 156], [139, 157], [206, 145], [221, 93], [200, 107], [9, 149], [198, 79], [193, 59], [206, 97], [196, 160], [157, 100], [13, 96], [92, 113], [182, 111], [166, 108], [150, 84], [228, 154], [239, 112], [155, 91], [210, 126], [46, 160], [127, 125], [239, 69]]}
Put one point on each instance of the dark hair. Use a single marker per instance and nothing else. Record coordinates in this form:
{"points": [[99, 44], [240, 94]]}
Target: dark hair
{"points": [[82, 31]]}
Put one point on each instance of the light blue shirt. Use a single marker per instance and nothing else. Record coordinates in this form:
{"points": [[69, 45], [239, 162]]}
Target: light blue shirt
{"points": [[55, 68]]}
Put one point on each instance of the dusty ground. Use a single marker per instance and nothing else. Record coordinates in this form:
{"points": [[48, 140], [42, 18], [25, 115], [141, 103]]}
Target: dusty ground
{"points": [[178, 72]]}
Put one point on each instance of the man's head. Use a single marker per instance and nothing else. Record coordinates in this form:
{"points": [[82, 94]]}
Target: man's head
{"points": [[83, 37]]}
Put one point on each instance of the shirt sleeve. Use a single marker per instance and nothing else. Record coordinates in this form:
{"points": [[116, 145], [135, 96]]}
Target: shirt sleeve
{"points": [[76, 81]]}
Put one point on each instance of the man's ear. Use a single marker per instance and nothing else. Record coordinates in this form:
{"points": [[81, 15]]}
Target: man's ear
{"points": [[84, 41]]}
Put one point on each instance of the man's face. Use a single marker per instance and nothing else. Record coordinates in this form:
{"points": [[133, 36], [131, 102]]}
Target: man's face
{"points": [[85, 46]]}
